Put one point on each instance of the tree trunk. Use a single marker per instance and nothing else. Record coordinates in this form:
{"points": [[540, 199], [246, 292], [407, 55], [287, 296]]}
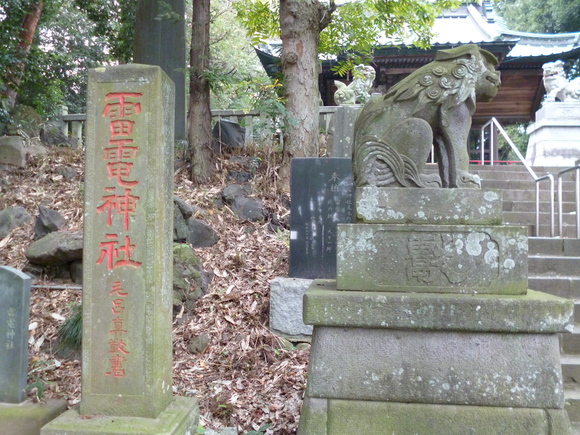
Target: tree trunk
{"points": [[27, 30], [199, 115], [301, 22]]}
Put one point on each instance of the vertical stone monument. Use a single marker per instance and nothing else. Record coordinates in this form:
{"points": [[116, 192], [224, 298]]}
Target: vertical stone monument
{"points": [[429, 327], [127, 260], [17, 416]]}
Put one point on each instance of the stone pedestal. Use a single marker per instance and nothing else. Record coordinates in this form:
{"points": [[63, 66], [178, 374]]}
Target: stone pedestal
{"points": [[555, 136], [430, 328]]}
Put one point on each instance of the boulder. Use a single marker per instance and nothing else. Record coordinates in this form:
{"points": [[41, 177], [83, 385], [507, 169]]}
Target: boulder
{"points": [[232, 191], [227, 134], [200, 234], [190, 281], [12, 151], [52, 135], [48, 221], [248, 208], [60, 247], [12, 217], [25, 121]]}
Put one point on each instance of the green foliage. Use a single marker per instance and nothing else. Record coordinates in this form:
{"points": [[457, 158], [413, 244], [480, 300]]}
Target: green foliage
{"points": [[260, 431], [70, 332], [541, 16], [356, 27], [519, 136], [166, 13]]}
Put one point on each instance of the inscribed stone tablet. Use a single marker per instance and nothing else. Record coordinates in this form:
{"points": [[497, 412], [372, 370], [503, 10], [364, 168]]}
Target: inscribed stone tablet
{"points": [[322, 192], [432, 258], [14, 318]]}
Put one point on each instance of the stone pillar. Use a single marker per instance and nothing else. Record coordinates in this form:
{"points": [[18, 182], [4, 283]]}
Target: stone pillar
{"points": [[429, 327], [162, 42], [127, 258], [341, 131]]}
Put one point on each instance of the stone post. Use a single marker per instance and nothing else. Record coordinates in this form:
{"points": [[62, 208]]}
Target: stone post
{"points": [[127, 257]]}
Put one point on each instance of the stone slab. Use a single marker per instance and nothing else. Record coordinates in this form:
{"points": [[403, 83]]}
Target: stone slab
{"points": [[286, 296], [322, 191], [14, 320], [179, 418], [383, 418], [429, 258], [460, 368], [341, 131], [128, 241], [28, 418], [385, 205], [534, 312]]}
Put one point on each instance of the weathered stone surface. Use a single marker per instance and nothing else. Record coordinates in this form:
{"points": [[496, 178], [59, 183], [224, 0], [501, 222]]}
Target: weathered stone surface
{"points": [[200, 234], [12, 151], [231, 192], [12, 217], [190, 281], [483, 369], [341, 132], [423, 419], [286, 306], [248, 208], [185, 210], [52, 135], [198, 343], [428, 206], [534, 312], [432, 107], [127, 256], [314, 417], [29, 418], [14, 319], [180, 417], [56, 248], [227, 135], [48, 221], [430, 258], [26, 120]]}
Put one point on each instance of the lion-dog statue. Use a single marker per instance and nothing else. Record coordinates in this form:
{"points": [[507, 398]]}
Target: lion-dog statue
{"points": [[358, 90], [558, 88], [430, 108]]}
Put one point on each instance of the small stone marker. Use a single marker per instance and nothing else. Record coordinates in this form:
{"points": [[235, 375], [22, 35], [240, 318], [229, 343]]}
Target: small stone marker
{"points": [[14, 319], [127, 259], [322, 192]]}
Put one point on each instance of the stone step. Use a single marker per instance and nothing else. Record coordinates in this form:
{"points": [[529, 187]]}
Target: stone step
{"points": [[567, 206], [554, 246], [572, 399], [570, 367], [562, 286], [553, 265], [529, 218], [570, 342], [523, 184], [530, 195]]}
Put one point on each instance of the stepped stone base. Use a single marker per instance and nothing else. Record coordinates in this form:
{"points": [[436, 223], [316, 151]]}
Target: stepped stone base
{"points": [[28, 418], [345, 417], [400, 363], [179, 418]]}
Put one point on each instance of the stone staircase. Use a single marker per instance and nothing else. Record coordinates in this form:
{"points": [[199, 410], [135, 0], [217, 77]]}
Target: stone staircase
{"points": [[553, 263]]}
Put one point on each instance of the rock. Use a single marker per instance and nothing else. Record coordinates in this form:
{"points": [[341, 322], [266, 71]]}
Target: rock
{"points": [[224, 431], [48, 221], [67, 172], [12, 217], [56, 248], [76, 271], [52, 135], [12, 151], [26, 121], [232, 191], [200, 234], [183, 207], [227, 134], [180, 229], [190, 281], [248, 208], [36, 150], [198, 344], [239, 176]]}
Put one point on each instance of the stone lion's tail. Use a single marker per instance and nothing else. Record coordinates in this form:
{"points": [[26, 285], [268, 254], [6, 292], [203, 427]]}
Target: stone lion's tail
{"points": [[378, 164]]}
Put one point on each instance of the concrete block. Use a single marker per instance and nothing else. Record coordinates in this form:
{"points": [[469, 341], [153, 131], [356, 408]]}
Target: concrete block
{"points": [[28, 418], [286, 296], [432, 258], [12, 151]]}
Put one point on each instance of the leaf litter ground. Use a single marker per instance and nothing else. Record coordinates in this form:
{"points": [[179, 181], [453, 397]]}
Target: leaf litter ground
{"points": [[245, 376]]}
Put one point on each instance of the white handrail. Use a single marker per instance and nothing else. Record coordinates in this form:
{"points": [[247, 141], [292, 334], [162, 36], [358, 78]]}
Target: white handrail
{"points": [[495, 123]]}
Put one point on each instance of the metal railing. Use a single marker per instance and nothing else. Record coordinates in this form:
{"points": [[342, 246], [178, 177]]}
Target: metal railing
{"points": [[576, 169], [495, 123]]}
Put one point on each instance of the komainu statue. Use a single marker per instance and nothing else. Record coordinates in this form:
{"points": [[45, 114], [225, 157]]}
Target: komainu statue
{"points": [[358, 91], [558, 88], [394, 133]]}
